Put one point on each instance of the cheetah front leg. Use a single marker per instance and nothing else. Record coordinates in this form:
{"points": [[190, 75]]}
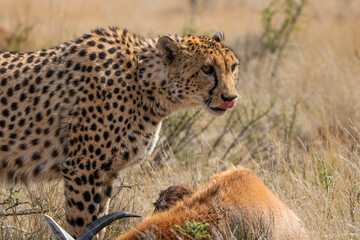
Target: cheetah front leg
{"points": [[88, 172], [87, 198]]}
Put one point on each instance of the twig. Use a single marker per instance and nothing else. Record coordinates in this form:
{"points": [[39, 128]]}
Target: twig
{"points": [[23, 212], [16, 204], [245, 128], [128, 186], [15, 228]]}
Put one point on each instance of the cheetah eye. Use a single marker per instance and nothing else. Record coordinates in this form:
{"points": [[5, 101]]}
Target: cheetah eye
{"points": [[233, 67], [207, 69]]}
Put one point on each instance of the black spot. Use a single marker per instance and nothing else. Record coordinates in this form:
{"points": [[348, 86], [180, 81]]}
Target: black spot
{"points": [[78, 181], [30, 59], [16, 73], [80, 205], [80, 222], [23, 146], [4, 163], [36, 156], [91, 208], [14, 106], [82, 53], [26, 69], [97, 198], [111, 50], [73, 49], [89, 68], [23, 96], [126, 155], [5, 113], [132, 138], [49, 73], [38, 80], [35, 141], [4, 100], [39, 117], [55, 153], [3, 81], [77, 67], [32, 88], [102, 157], [37, 170], [91, 43], [68, 64], [110, 82], [96, 174], [86, 196], [70, 221], [36, 100], [47, 143], [83, 179], [86, 36], [108, 191], [135, 149], [91, 179], [45, 89], [10, 92], [92, 56], [25, 82], [93, 127], [19, 161], [17, 87], [102, 55], [37, 68]]}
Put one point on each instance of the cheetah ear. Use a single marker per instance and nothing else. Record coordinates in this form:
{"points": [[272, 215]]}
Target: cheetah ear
{"points": [[168, 47], [219, 37]]}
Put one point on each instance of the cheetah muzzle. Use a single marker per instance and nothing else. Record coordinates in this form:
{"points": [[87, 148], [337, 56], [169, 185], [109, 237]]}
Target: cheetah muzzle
{"points": [[85, 109]]}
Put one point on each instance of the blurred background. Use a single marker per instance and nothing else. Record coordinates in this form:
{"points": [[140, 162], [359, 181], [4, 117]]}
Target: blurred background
{"points": [[297, 125]]}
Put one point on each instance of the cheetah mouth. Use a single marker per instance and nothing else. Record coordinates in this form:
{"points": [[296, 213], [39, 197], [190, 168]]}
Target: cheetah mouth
{"points": [[217, 109], [220, 109]]}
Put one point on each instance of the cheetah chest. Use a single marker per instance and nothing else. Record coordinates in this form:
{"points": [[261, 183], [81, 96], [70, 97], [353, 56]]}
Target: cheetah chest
{"points": [[145, 150]]}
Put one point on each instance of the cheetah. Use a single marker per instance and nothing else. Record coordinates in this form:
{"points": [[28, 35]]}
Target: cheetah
{"points": [[85, 109]]}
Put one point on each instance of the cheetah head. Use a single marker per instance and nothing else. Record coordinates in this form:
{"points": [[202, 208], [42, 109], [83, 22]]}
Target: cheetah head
{"points": [[201, 71]]}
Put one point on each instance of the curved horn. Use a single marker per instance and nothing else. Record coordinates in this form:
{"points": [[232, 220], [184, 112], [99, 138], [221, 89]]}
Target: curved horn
{"points": [[56, 230], [95, 227]]}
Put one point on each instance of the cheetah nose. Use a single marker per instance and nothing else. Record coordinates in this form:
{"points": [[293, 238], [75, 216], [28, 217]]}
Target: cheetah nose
{"points": [[228, 98]]}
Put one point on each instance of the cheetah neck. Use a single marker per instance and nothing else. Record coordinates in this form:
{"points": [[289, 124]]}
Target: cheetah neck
{"points": [[154, 82]]}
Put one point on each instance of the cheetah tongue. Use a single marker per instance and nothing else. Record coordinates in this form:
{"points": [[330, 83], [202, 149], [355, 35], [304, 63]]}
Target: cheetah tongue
{"points": [[227, 104]]}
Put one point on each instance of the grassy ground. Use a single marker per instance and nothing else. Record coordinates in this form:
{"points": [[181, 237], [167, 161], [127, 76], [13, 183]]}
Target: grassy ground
{"points": [[298, 129]]}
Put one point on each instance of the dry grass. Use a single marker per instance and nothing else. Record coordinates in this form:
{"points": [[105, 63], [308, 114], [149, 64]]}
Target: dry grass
{"points": [[309, 155]]}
